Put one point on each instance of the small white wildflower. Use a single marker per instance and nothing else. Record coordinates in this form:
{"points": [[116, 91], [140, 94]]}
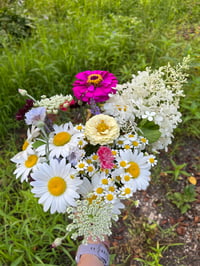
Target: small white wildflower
{"points": [[92, 218], [52, 104]]}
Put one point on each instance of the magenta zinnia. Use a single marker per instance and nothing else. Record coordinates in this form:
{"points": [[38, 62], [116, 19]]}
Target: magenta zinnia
{"points": [[94, 85]]}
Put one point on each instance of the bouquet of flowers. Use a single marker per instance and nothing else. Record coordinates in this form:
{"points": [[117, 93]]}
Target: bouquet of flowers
{"points": [[87, 152]]}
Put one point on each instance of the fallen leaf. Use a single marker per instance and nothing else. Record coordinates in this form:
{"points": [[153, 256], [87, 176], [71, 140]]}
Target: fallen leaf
{"points": [[197, 219], [192, 180]]}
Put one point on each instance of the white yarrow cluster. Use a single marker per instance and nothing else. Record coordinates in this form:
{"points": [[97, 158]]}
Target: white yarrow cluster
{"points": [[53, 103], [153, 95], [91, 219]]}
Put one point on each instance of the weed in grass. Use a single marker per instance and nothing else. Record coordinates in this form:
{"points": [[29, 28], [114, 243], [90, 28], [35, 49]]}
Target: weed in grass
{"points": [[178, 170], [154, 256], [183, 199]]}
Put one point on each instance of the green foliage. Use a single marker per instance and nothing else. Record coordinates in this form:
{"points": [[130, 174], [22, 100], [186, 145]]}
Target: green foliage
{"points": [[178, 170], [183, 199], [154, 256], [14, 26], [26, 231], [150, 130]]}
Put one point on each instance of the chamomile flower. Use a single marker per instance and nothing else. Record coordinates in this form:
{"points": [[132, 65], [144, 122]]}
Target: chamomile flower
{"points": [[109, 197], [94, 157], [90, 169], [54, 186], [143, 142], [152, 160], [80, 127], [81, 166], [25, 164], [127, 191], [32, 133]]}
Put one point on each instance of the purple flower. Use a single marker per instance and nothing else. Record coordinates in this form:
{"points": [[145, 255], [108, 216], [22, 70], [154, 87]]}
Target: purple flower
{"points": [[96, 85], [35, 116], [21, 112]]}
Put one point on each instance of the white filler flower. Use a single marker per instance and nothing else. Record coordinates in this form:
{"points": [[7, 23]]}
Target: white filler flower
{"points": [[55, 185]]}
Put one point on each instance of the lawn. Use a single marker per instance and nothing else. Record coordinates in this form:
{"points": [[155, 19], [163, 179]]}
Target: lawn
{"points": [[43, 45]]}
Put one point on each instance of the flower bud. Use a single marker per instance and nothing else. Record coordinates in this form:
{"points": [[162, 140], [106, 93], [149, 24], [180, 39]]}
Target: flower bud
{"points": [[57, 242], [22, 92]]}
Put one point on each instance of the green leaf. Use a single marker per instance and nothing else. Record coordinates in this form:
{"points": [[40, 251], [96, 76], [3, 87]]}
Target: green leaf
{"points": [[150, 130], [184, 208], [17, 261], [37, 144]]}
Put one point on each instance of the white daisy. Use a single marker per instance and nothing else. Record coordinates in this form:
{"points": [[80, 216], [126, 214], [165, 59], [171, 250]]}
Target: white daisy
{"points": [[135, 165], [26, 163], [32, 133], [54, 185], [62, 141]]}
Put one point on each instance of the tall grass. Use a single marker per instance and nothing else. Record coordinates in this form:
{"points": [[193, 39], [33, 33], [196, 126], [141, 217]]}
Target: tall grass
{"points": [[71, 36]]}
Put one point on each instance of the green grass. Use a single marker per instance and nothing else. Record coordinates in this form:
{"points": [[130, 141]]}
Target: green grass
{"points": [[71, 36], [67, 37]]}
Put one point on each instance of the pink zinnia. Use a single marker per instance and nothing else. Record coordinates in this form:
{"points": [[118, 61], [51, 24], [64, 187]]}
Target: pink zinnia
{"points": [[94, 85], [106, 157]]}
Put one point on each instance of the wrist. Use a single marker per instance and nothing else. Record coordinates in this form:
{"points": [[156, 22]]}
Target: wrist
{"points": [[96, 250]]}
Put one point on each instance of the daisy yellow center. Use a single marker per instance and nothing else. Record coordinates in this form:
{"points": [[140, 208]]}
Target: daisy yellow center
{"points": [[95, 157], [151, 160], [123, 163], [102, 127], [80, 142], [111, 188], [109, 197], [135, 143], [127, 191], [90, 168], [114, 153], [143, 140], [25, 145], [31, 161], [99, 190], [127, 178], [81, 165], [94, 79], [133, 169], [127, 147], [61, 138], [79, 127], [57, 186], [104, 181], [89, 161]]}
